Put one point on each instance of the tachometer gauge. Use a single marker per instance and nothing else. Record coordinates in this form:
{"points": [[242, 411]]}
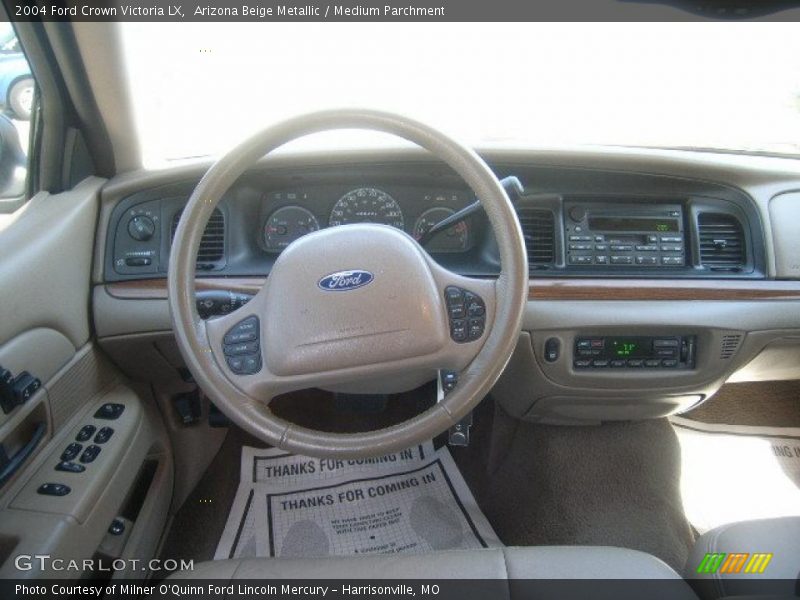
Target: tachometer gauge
{"points": [[287, 224], [453, 239], [367, 205]]}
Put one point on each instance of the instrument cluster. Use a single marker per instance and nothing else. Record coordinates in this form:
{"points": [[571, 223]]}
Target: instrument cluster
{"points": [[291, 214]]}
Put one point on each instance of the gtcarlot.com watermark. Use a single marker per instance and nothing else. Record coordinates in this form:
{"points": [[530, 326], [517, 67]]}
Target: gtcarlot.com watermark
{"points": [[45, 562]]}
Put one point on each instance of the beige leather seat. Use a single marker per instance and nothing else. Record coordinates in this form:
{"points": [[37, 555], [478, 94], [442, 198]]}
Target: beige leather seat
{"points": [[500, 564]]}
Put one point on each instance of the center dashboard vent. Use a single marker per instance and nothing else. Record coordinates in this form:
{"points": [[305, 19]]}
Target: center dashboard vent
{"points": [[722, 244], [538, 229], [212, 244]]}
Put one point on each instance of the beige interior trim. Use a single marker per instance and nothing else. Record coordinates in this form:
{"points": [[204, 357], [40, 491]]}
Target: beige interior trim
{"points": [[49, 248]]}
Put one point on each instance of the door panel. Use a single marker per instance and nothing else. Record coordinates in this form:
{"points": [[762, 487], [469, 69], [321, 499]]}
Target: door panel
{"points": [[45, 263]]}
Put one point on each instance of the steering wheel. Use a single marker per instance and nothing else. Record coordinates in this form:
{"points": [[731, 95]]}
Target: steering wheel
{"points": [[359, 304]]}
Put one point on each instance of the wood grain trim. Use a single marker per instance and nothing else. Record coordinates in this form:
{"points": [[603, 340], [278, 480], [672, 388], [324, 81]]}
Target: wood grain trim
{"points": [[540, 289], [662, 289], [156, 289]]}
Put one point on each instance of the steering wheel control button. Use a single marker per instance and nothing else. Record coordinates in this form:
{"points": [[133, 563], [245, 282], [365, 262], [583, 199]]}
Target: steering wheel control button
{"points": [[71, 452], [109, 411], [90, 454], [460, 304], [552, 349], [244, 331], [103, 435], [242, 347], [86, 432], [53, 489], [70, 467]]}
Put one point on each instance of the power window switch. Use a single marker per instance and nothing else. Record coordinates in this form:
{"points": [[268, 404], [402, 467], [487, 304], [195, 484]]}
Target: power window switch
{"points": [[53, 489], [70, 467], [71, 451], [86, 432], [90, 454], [103, 435]]}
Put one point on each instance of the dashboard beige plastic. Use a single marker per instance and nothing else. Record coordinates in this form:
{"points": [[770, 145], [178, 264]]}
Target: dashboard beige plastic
{"points": [[534, 389], [770, 182], [784, 212], [778, 360]]}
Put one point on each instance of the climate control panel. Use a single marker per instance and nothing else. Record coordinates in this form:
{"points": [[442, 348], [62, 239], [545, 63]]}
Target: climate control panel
{"points": [[635, 352]]}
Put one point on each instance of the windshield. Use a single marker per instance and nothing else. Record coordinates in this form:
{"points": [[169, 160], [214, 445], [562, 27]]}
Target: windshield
{"points": [[200, 88]]}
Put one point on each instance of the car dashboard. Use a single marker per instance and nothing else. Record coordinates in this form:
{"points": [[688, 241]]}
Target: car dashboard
{"points": [[655, 276]]}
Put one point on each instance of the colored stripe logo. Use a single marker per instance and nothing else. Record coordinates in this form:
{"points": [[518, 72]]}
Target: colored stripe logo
{"points": [[734, 563]]}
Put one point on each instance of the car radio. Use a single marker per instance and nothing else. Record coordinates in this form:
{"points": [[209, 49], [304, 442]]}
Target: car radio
{"points": [[624, 235], [637, 352]]}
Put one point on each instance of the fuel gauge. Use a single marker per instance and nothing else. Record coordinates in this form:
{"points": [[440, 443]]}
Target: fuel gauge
{"points": [[453, 239], [287, 224]]}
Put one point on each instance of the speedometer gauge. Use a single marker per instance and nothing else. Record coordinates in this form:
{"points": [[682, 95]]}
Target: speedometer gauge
{"points": [[452, 239], [367, 205], [287, 224]]}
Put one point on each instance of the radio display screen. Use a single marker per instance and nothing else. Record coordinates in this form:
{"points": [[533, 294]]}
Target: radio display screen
{"points": [[632, 224], [629, 348]]}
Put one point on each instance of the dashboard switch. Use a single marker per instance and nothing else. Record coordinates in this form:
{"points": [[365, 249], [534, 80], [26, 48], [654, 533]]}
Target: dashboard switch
{"points": [[141, 228], [138, 261], [552, 349], [449, 380]]}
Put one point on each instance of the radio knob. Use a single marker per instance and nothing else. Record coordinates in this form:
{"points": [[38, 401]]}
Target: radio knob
{"points": [[576, 213], [141, 228]]}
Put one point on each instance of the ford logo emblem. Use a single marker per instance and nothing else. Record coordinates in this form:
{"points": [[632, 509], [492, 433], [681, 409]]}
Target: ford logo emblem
{"points": [[344, 281]]}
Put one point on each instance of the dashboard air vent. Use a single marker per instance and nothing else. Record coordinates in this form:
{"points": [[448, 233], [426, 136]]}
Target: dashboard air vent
{"points": [[721, 242], [212, 244], [538, 228], [730, 344]]}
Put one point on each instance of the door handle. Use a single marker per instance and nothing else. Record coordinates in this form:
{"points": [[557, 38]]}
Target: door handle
{"points": [[12, 465]]}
